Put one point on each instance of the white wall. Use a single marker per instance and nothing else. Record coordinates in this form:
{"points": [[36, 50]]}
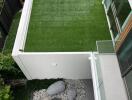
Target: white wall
{"points": [[23, 27], [55, 65], [113, 83]]}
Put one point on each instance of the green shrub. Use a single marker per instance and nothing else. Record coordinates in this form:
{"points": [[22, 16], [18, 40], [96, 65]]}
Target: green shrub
{"points": [[5, 92], [8, 68], [6, 62]]}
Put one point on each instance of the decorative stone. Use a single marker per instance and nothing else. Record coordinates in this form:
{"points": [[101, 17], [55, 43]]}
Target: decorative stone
{"points": [[56, 88], [71, 94]]}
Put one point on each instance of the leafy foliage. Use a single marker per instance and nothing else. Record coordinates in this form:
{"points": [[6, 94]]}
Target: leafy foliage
{"points": [[7, 63], [5, 92], [8, 68]]}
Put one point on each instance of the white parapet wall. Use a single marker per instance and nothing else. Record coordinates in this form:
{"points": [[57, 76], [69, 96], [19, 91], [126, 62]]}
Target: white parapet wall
{"points": [[55, 65], [95, 79]]}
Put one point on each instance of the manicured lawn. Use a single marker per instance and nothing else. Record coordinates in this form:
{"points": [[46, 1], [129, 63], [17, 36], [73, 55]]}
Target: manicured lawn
{"points": [[66, 25], [12, 34]]}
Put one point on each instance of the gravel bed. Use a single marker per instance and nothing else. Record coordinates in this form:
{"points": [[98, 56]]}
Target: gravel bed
{"points": [[79, 86]]}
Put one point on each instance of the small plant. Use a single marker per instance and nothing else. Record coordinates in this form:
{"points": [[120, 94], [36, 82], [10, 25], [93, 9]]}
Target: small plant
{"points": [[6, 62], [5, 92], [8, 68]]}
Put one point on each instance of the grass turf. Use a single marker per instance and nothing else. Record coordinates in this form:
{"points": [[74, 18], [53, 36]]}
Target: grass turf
{"points": [[66, 25], [12, 34]]}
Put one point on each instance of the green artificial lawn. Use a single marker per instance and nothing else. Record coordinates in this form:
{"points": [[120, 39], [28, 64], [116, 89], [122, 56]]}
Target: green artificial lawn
{"points": [[66, 25], [12, 34]]}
